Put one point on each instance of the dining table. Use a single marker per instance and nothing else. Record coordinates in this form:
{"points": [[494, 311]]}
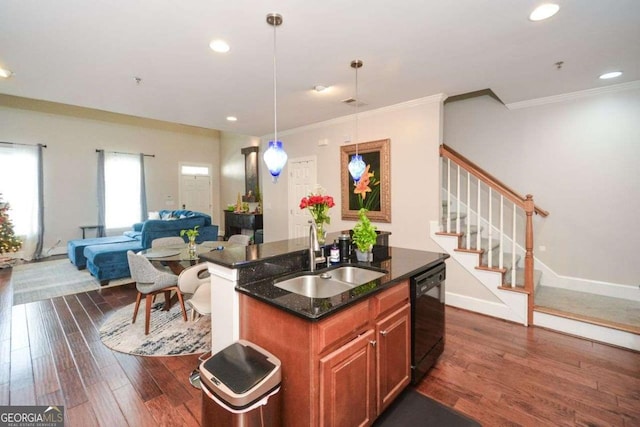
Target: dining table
{"points": [[179, 257]]}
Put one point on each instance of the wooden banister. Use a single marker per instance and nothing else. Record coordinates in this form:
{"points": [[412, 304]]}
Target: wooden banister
{"points": [[487, 178]]}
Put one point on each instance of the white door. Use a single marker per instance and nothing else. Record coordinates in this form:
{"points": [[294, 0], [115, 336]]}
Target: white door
{"points": [[302, 181], [195, 193]]}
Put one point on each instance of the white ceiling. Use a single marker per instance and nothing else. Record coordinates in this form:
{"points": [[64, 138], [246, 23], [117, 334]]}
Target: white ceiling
{"points": [[87, 53]]}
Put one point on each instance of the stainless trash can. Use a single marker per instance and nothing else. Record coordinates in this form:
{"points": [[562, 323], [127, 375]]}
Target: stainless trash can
{"points": [[240, 387]]}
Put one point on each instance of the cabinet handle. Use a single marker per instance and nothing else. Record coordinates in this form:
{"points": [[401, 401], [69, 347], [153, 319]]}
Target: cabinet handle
{"points": [[373, 343], [383, 333]]}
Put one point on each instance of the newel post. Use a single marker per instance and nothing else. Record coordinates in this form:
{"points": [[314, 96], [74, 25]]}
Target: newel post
{"points": [[528, 258]]}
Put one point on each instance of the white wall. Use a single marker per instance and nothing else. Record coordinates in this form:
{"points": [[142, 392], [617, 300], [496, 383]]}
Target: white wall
{"points": [[72, 136], [579, 158]]}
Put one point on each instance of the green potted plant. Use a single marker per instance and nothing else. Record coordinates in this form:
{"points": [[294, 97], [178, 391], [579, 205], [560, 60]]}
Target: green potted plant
{"points": [[364, 236], [191, 233]]}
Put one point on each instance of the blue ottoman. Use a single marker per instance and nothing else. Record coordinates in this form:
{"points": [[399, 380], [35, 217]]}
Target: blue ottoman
{"points": [[75, 248], [109, 261]]}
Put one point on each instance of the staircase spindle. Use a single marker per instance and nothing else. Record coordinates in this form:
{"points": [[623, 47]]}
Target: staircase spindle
{"points": [[448, 196], [501, 253], [458, 201], [513, 248], [468, 222], [490, 245], [478, 241]]}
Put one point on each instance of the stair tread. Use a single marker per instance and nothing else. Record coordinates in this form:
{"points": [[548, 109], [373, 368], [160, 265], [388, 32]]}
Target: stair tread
{"points": [[587, 306]]}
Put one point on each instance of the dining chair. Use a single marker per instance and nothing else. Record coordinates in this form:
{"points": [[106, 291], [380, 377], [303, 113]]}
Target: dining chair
{"points": [[149, 282], [240, 239], [195, 281]]}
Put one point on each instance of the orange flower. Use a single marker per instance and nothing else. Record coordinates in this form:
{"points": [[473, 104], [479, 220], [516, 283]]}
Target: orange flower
{"points": [[362, 187], [367, 184]]}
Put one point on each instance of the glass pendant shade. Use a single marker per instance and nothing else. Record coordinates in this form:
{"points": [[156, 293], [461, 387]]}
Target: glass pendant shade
{"points": [[356, 167], [275, 158]]}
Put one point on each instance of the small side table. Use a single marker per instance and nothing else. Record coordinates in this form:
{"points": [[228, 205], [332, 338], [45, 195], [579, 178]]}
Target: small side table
{"points": [[98, 229]]}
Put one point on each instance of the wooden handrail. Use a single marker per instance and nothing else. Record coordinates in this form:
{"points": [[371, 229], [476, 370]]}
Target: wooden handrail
{"points": [[487, 178]]}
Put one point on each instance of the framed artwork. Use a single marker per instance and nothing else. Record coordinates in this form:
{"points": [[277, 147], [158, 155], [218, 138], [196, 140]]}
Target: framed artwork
{"points": [[374, 194]]}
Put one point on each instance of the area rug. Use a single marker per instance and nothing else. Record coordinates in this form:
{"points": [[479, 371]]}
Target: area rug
{"points": [[37, 281], [169, 334], [412, 408]]}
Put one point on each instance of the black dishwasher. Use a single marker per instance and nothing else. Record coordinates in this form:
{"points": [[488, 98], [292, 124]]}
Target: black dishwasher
{"points": [[427, 320]]}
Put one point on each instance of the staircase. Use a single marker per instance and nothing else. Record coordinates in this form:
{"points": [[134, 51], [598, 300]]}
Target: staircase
{"points": [[488, 229]]}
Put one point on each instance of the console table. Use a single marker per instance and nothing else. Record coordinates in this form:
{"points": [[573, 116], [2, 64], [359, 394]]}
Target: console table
{"points": [[234, 223], [98, 229]]}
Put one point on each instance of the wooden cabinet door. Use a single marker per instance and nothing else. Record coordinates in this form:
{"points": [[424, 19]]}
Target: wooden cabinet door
{"points": [[347, 384], [393, 334]]}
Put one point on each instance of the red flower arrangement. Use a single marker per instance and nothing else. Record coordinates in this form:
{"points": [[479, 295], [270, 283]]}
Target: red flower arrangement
{"points": [[318, 206]]}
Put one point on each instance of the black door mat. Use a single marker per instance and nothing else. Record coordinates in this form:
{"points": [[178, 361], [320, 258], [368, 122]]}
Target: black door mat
{"points": [[414, 409]]}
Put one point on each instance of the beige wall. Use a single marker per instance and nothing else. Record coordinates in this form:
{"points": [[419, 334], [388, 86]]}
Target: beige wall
{"points": [[414, 131], [72, 136], [579, 158]]}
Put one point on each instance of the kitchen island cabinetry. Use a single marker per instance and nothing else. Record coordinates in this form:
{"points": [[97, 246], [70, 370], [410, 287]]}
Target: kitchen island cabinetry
{"points": [[341, 370]]}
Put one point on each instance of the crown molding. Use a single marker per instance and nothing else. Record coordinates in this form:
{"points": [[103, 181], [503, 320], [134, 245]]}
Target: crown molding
{"points": [[574, 95], [433, 99]]}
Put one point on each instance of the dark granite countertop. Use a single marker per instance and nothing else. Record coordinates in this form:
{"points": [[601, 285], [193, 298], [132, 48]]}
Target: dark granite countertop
{"points": [[400, 264], [260, 265]]}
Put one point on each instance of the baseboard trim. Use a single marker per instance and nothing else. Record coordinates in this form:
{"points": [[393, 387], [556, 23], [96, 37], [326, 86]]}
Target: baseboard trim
{"points": [[488, 308], [587, 330], [589, 319]]}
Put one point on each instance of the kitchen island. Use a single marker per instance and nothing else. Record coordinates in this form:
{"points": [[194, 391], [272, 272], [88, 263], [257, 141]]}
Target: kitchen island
{"points": [[345, 357]]}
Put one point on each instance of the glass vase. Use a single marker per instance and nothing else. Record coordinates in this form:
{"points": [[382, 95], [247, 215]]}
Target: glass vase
{"points": [[321, 233], [192, 248]]}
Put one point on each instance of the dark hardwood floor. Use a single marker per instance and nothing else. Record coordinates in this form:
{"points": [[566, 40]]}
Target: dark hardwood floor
{"points": [[496, 372]]}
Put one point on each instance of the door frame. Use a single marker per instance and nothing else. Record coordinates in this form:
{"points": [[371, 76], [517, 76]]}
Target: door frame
{"points": [[290, 189], [210, 175]]}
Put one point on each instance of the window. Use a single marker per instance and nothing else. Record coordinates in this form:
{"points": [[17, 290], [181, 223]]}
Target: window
{"points": [[20, 185], [122, 189], [194, 170]]}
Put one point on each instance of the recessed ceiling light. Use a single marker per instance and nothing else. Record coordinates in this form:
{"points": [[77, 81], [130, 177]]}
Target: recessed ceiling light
{"points": [[611, 75], [219, 46], [5, 74], [232, 119], [544, 11], [320, 88]]}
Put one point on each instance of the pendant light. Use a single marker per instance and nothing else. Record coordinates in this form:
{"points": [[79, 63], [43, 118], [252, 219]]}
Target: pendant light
{"points": [[356, 165], [275, 157]]}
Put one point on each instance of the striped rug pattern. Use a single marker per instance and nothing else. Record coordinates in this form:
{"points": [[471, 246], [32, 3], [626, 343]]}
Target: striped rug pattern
{"points": [[169, 335]]}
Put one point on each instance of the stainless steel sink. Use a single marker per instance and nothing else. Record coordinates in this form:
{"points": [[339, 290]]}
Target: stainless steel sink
{"points": [[329, 283], [313, 286], [355, 275]]}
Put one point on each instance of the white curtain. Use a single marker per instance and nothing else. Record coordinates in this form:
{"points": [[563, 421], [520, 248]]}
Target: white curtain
{"points": [[19, 184], [122, 189]]}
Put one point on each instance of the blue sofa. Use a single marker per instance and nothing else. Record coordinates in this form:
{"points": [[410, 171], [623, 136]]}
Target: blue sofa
{"points": [[106, 257], [170, 224]]}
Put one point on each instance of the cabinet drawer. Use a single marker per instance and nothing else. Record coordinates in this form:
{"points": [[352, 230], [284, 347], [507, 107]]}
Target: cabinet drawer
{"points": [[391, 298], [343, 326]]}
